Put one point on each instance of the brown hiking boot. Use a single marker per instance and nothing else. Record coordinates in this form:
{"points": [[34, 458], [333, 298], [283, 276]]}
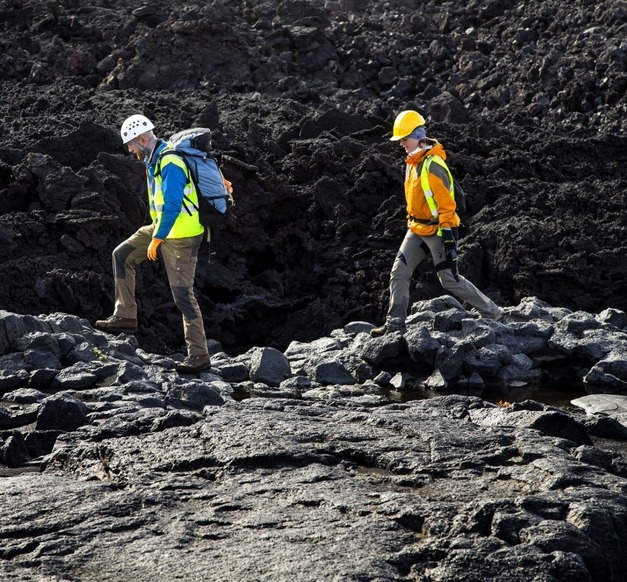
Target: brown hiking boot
{"points": [[394, 324], [117, 324], [194, 364]]}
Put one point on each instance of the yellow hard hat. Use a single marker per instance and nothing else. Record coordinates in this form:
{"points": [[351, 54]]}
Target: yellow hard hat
{"points": [[405, 123]]}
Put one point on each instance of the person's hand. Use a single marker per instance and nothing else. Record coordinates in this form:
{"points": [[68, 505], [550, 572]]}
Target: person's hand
{"points": [[152, 248], [449, 242], [229, 186]]}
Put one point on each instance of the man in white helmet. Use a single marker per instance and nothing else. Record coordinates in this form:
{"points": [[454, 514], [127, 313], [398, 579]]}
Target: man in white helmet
{"points": [[432, 224], [175, 231]]}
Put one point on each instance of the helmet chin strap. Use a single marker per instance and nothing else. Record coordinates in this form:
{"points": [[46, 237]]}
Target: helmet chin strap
{"points": [[146, 151], [150, 148]]}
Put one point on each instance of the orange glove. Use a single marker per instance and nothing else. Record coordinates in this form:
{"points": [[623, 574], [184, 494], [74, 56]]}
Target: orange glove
{"points": [[152, 248]]}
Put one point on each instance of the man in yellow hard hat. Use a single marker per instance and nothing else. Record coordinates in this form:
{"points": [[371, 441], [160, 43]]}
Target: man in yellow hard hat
{"points": [[432, 224], [175, 232]]}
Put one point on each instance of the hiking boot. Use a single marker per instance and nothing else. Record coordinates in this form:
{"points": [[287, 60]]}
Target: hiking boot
{"points": [[194, 364], [394, 324], [115, 323]]}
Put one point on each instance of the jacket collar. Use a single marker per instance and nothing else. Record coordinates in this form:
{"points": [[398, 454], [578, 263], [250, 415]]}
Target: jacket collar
{"points": [[435, 149], [152, 160]]}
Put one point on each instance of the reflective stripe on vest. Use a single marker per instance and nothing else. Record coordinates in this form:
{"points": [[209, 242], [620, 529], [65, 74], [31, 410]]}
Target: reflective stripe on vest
{"points": [[424, 182]]}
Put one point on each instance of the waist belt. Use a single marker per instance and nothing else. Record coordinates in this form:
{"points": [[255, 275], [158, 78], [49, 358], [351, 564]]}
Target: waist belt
{"points": [[423, 221]]}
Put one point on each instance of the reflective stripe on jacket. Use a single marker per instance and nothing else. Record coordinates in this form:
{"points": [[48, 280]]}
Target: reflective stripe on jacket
{"points": [[186, 224], [430, 195]]}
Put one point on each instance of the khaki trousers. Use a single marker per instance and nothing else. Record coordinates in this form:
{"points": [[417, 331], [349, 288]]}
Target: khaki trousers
{"points": [[180, 257], [412, 252]]}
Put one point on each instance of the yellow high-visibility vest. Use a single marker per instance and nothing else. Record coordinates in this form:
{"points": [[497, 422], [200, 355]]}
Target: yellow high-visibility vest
{"points": [[187, 223], [424, 183]]}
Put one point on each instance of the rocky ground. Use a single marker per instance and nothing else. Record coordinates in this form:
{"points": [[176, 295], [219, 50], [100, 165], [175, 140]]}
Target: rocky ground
{"points": [[149, 474], [310, 464]]}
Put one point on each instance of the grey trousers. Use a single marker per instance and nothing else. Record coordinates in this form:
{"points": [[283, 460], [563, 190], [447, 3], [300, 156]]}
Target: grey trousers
{"points": [[412, 252], [179, 257]]}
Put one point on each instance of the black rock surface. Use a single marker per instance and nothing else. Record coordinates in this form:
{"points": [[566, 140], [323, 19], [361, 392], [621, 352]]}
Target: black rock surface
{"points": [[298, 456], [528, 98]]}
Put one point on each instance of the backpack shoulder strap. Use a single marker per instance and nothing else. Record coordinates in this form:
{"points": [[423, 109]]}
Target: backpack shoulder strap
{"points": [[188, 174], [172, 151]]}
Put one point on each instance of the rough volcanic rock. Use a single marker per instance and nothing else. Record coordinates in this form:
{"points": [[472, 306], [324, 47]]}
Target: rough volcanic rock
{"points": [[528, 99], [444, 489], [339, 446], [292, 460]]}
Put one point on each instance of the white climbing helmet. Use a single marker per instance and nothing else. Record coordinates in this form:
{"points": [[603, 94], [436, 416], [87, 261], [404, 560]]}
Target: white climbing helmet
{"points": [[135, 125]]}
